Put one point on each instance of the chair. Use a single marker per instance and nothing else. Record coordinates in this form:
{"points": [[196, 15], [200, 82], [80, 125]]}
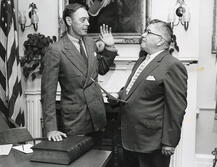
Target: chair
{"points": [[3, 124], [17, 136], [6, 123], [11, 133]]}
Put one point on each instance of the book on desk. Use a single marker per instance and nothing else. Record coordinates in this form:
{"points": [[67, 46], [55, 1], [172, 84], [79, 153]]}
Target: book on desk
{"points": [[61, 152]]}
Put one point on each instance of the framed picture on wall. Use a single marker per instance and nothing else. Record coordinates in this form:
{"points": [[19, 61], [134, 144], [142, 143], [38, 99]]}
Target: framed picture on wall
{"points": [[127, 18], [214, 34]]}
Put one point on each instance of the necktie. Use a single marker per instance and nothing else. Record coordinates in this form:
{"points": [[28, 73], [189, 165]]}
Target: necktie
{"points": [[137, 73], [82, 51]]}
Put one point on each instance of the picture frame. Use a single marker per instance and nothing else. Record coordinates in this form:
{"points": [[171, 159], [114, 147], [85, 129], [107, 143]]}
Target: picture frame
{"points": [[129, 33], [214, 34]]}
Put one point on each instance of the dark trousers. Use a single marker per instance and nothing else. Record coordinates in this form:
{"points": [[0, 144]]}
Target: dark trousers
{"points": [[154, 159]]}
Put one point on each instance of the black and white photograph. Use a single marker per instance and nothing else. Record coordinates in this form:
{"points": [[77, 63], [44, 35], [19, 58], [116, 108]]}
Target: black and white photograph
{"points": [[108, 83]]}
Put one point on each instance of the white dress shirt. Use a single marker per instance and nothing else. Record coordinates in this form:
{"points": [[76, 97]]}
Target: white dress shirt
{"points": [[141, 67], [75, 41]]}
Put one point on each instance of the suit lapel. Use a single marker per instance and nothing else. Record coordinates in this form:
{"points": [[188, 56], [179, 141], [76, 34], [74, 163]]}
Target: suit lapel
{"points": [[140, 60], [147, 70], [89, 49], [73, 55]]}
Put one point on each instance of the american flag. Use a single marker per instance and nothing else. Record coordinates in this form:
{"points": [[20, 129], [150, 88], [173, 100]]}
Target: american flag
{"points": [[11, 95]]}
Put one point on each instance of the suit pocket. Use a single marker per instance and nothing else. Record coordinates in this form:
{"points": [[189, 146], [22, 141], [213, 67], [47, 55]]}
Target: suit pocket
{"points": [[153, 83], [153, 88], [149, 127], [151, 124], [71, 111], [150, 131], [75, 76]]}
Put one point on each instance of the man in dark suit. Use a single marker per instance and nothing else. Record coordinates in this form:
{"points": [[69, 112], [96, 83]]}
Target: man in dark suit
{"points": [[155, 96], [74, 63]]}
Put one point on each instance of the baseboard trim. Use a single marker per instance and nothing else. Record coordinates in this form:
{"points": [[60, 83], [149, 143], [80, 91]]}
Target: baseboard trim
{"points": [[204, 160]]}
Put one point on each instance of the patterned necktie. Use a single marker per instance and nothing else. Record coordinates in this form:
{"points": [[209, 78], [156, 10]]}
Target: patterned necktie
{"points": [[82, 51], [137, 73]]}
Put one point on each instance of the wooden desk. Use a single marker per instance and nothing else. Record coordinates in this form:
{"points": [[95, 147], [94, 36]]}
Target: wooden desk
{"points": [[93, 158]]}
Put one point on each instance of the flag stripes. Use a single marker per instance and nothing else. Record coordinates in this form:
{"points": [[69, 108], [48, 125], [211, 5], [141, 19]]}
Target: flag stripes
{"points": [[19, 118], [11, 98], [2, 76], [2, 93], [3, 103], [14, 98], [4, 108], [2, 44]]}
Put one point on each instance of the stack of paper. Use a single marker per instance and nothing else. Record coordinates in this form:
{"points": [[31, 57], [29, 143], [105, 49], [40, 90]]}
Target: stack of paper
{"points": [[5, 149], [26, 148]]}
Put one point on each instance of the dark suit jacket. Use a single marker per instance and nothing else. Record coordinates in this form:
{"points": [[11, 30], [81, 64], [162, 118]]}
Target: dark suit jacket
{"points": [[82, 105], [154, 111]]}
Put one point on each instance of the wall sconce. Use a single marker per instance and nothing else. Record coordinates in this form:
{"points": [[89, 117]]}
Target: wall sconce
{"points": [[179, 14], [32, 15]]}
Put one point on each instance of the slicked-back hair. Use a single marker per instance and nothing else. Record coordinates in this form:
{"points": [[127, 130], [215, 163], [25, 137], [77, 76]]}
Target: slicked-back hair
{"points": [[70, 9], [165, 28]]}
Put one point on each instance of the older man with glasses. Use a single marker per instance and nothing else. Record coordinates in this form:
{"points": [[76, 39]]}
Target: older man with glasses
{"points": [[155, 95]]}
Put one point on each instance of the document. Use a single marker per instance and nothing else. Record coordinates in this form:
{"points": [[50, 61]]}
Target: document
{"points": [[5, 149], [26, 148]]}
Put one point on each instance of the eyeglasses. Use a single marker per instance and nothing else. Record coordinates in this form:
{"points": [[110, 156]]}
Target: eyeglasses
{"points": [[148, 31]]}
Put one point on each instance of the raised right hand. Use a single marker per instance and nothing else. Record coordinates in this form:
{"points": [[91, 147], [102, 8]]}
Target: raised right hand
{"points": [[106, 35], [56, 135]]}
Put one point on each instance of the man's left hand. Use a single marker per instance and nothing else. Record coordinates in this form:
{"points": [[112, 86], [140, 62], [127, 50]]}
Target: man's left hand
{"points": [[167, 150], [106, 35]]}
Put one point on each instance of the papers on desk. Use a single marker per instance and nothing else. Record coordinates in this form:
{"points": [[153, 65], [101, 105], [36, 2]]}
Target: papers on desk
{"points": [[26, 148], [5, 149]]}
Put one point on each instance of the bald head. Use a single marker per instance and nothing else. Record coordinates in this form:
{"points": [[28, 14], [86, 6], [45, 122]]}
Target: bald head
{"points": [[164, 28]]}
